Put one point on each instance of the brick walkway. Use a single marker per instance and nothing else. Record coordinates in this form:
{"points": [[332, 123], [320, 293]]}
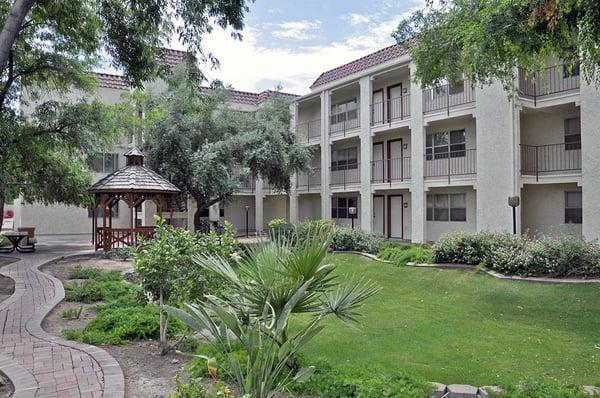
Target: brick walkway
{"points": [[39, 364]]}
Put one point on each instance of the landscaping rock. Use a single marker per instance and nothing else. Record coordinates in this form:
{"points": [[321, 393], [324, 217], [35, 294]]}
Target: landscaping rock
{"points": [[487, 391], [591, 390], [438, 390], [462, 391]]}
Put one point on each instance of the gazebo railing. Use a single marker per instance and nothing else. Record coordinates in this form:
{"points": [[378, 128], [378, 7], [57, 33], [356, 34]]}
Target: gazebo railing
{"points": [[113, 238]]}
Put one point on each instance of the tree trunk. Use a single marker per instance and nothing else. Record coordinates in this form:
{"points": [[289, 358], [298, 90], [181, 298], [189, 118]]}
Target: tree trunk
{"points": [[1, 206], [12, 27], [162, 332], [197, 219]]}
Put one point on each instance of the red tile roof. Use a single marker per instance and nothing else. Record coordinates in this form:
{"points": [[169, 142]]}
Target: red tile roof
{"points": [[249, 98], [376, 58], [172, 58], [107, 80]]}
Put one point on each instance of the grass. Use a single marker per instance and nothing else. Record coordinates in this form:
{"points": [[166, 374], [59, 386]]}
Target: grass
{"points": [[454, 326]]}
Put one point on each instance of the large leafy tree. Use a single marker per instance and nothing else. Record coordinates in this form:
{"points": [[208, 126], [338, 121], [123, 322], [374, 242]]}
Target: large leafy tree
{"points": [[488, 39], [208, 149], [49, 46]]}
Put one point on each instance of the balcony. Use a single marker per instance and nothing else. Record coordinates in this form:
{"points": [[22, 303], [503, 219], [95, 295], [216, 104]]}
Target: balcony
{"points": [[552, 80], [449, 164], [247, 184], [391, 110], [448, 96], [309, 181], [342, 122], [309, 130], [390, 170], [552, 159], [343, 177]]}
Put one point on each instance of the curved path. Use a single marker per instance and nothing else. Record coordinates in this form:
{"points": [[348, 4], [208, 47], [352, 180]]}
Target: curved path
{"points": [[40, 364]]}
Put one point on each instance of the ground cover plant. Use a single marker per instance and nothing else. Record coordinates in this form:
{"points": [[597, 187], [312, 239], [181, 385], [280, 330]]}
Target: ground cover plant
{"points": [[454, 326], [401, 253]]}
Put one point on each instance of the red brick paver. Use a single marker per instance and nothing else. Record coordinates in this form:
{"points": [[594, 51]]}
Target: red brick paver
{"points": [[39, 364]]}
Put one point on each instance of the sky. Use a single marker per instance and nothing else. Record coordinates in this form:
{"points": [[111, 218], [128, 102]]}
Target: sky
{"points": [[291, 42]]}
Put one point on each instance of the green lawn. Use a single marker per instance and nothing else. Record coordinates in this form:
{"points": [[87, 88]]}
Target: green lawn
{"points": [[455, 326]]}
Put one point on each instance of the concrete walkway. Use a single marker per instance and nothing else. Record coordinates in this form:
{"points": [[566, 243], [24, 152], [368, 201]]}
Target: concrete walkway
{"points": [[37, 363]]}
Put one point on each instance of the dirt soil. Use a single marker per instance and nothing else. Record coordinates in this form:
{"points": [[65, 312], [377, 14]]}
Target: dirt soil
{"points": [[147, 374]]}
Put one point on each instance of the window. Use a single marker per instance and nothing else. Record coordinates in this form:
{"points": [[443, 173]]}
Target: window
{"points": [[105, 163], [340, 205], [456, 87], [574, 72], [447, 207], [573, 207], [344, 111], [344, 159], [572, 133], [99, 211], [439, 145]]}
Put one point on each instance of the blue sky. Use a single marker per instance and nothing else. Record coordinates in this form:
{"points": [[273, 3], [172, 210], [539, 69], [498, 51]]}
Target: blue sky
{"points": [[292, 42]]}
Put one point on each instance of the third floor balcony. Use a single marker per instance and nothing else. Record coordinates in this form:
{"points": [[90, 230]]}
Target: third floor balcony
{"points": [[309, 131], [448, 96], [551, 159], [309, 181], [345, 176], [390, 110], [390, 170], [548, 81]]}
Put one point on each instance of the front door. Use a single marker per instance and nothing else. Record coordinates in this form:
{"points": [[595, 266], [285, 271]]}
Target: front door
{"points": [[394, 219], [394, 102], [378, 215], [377, 114], [394, 160]]}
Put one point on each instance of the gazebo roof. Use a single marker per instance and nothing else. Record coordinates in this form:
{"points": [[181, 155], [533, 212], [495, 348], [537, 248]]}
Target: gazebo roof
{"points": [[134, 177]]}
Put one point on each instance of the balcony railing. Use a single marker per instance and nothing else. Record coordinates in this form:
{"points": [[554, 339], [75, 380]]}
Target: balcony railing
{"points": [[248, 184], [309, 130], [454, 163], [552, 80], [391, 110], [448, 96], [390, 170], [547, 159], [344, 176], [308, 181], [340, 123]]}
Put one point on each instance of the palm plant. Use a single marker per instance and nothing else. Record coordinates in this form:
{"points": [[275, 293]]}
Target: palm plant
{"points": [[274, 281]]}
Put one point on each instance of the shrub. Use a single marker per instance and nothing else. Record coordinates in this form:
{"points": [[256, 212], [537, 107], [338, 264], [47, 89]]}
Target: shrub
{"points": [[195, 389], [87, 292], [311, 227], [347, 239], [72, 313], [79, 272], [469, 248], [400, 254], [536, 389], [198, 368], [367, 382], [280, 228], [120, 324]]}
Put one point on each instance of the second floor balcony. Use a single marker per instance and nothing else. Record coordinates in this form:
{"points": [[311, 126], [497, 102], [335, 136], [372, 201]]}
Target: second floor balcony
{"points": [[390, 170], [448, 96], [345, 176], [310, 181], [342, 122], [449, 164], [551, 80], [551, 159], [390, 110], [309, 131]]}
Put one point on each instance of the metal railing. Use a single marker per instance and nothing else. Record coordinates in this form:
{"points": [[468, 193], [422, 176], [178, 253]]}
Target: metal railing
{"points": [[309, 130], [307, 181], [551, 80], [390, 170], [340, 123], [551, 158], [448, 96], [344, 176], [248, 184], [454, 163], [392, 109]]}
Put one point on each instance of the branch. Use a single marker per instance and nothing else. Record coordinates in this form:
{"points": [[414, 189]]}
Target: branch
{"points": [[11, 28]]}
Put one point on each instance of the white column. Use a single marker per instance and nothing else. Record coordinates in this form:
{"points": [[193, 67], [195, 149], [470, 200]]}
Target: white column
{"points": [[293, 208], [590, 161], [517, 159], [293, 219], [495, 114], [417, 150], [366, 148], [325, 156], [258, 206]]}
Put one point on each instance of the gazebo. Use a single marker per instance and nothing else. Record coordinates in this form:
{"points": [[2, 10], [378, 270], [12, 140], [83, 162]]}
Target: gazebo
{"points": [[132, 184]]}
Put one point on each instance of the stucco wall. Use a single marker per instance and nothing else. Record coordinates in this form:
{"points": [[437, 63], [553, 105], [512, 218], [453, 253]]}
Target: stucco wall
{"points": [[309, 207], [546, 126], [435, 229], [543, 209], [275, 206], [235, 212]]}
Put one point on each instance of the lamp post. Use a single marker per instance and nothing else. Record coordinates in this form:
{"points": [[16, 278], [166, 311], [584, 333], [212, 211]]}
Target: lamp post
{"points": [[352, 213], [247, 209], [514, 201]]}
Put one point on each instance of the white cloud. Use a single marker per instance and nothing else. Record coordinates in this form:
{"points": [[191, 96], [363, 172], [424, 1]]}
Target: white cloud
{"points": [[297, 30], [357, 19]]}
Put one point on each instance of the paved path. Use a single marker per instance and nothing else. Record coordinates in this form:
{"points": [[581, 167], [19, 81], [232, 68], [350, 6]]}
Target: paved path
{"points": [[39, 364]]}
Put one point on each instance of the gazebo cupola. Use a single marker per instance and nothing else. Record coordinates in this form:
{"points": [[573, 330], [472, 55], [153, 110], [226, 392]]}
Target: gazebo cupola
{"points": [[132, 184]]}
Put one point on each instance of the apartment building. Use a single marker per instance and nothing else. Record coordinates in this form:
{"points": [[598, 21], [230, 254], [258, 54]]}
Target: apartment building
{"points": [[414, 163], [417, 163]]}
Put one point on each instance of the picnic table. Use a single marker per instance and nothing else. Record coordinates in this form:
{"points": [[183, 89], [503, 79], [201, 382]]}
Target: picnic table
{"points": [[15, 238]]}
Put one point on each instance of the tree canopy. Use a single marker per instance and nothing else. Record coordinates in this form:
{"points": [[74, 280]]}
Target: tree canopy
{"points": [[207, 148], [47, 50], [487, 39]]}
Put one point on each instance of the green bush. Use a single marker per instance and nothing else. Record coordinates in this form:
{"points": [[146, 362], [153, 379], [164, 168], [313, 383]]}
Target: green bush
{"points": [[306, 228], [536, 389], [367, 382], [348, 239], [118, 325], [198, 368], [472, 248], [277, 223], [195, 389], [79, 272], [401, 254], [87, 292], [280, 228]]}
